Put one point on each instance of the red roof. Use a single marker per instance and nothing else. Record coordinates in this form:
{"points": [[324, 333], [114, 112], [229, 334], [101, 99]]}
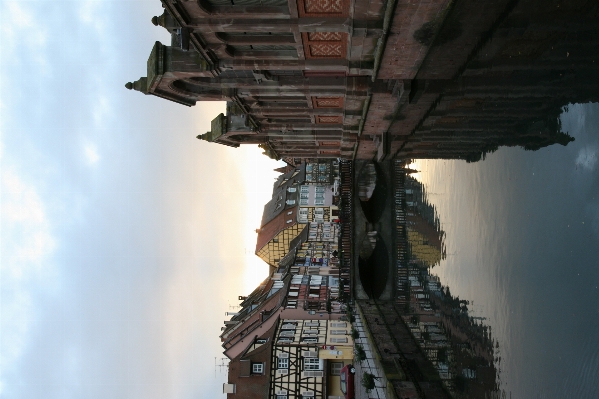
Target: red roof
{"points": [[275, 226]]}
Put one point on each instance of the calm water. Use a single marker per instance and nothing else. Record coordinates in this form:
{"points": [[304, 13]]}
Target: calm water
{"points": [[522, 238]]}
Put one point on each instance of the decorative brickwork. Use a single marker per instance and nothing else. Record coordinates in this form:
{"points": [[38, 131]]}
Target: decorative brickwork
{"points": [[323, 8], [327, 102], [324, 36], [329, 119], [325, 44]]}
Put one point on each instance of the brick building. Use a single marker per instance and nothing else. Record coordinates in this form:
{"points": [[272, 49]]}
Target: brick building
{"points": [[364, 79]]}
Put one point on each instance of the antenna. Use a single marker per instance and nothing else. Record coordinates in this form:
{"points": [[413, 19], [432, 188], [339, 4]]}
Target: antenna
{"points": [[221, 364]]}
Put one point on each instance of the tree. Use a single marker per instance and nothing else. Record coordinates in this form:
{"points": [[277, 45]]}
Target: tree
{"points": [[360, 352], [368, 381]]}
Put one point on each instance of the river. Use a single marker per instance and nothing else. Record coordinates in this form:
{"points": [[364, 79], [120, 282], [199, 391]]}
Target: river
{"points": [[522, 241]]}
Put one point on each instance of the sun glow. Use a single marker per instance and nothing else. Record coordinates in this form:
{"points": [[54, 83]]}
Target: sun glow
{"points": [[258, 177]]}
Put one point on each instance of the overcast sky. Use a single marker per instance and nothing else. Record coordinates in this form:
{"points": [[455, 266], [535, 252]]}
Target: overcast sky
{"points": [[124, 239]]}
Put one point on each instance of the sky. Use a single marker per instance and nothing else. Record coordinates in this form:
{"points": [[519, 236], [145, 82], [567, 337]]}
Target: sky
{"points": [[123, 238]]}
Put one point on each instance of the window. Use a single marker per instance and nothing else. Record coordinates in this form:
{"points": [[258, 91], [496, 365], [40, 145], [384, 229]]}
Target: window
{"points": [[339, 340], [319, 189], [310, 332], [310, 340], [261, 341], [336, 368], [303, 201], [319, 202], [290, 202], [311, 363], [282, 363], [258, 368], [304, 195], [338, 332], [339, 324], [304, 189], [291, 189]]}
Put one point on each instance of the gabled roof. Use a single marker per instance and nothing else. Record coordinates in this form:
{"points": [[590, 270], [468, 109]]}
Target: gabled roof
{"points": [[255, 386], [281, 194], [275, 226]]}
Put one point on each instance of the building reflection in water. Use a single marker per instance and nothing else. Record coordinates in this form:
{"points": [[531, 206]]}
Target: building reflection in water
{"points": [[451, 353]]}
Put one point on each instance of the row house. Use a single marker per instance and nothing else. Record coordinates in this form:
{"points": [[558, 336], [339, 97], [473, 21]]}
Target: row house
{"points": [[293, 359], [258, 313], [285, 294], [297, 204], [307, 358]]}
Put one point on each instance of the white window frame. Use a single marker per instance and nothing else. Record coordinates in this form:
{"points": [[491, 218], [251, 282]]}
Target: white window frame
{"points": [[282, 363], [312, 364], [257, 368]]}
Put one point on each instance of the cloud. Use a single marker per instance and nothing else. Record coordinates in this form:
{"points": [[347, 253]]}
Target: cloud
{"points": [[20, 28], [26, 243], [587, 158], [91, 153]]}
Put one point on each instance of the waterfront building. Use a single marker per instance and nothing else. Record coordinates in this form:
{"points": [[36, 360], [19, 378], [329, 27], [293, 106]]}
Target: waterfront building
{"points": [[293, 359], [302, 199], [376, 79]]}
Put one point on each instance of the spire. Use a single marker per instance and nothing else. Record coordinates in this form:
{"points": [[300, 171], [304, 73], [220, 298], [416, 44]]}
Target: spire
{"points": [[139, 85]]}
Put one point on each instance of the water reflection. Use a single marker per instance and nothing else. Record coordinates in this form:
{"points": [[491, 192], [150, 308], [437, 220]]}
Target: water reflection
{"points": [[522, 232], [459, 346]]}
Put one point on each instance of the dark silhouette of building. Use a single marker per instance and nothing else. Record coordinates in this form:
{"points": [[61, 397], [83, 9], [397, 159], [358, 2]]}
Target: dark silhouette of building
{"points": [[414, 79]]}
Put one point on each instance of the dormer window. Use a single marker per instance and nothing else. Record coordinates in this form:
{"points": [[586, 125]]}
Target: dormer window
{"points": [[290, 202], [291, 190]]}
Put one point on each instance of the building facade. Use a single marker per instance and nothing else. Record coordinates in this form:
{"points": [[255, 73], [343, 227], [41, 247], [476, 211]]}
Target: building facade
{"points": [[304, 200], [375, 79]]}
